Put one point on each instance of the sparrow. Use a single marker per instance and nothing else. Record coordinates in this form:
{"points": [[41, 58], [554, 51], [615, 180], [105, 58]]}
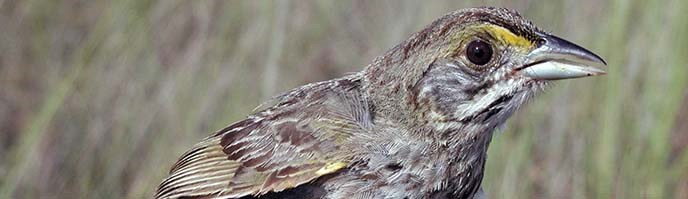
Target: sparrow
{"points": [[414, 123]]}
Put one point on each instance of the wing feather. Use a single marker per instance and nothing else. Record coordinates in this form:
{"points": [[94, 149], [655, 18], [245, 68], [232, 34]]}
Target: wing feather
{"points": [[296, 141]]}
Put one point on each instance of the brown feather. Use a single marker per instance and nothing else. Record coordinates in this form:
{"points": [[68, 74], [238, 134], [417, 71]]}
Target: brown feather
{"points": [[278, 148]]}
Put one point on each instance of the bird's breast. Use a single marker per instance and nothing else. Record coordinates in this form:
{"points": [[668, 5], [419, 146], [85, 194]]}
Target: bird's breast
{"points": [[412, 169]]}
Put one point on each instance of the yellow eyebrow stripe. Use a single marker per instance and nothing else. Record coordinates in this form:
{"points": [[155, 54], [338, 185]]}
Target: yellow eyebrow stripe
{"points": [[507, 36]]}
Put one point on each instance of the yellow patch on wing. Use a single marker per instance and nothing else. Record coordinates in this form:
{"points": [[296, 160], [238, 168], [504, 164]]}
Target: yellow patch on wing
{"points": [[330, 168], [508, 37]]}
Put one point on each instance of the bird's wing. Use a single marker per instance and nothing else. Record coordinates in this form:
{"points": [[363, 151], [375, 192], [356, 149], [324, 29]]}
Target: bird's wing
{"points": [[292, 143]]}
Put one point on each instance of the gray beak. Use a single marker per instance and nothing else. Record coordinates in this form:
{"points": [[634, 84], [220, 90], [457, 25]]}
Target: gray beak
{"points": [[556, 58]]}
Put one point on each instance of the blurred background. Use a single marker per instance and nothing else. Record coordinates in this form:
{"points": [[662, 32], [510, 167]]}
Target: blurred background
{"points": [[99, 98]]}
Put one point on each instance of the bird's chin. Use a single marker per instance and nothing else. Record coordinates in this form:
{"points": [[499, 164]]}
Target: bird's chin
{"points": [[530, 85], [535, 86]]}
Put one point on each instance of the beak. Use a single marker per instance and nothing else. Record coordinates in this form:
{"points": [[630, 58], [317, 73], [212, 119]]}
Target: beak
{"points": [[557, 58]]}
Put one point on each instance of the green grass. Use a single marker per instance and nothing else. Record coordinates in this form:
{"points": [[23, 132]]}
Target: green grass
{"points": [[99, 98]]}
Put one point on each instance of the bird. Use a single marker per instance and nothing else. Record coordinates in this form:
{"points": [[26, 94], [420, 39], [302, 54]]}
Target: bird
{"points": [[414, 123]]}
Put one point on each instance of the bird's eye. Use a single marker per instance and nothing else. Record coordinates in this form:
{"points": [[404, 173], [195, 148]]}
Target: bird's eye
{"points": [[479, 52]]}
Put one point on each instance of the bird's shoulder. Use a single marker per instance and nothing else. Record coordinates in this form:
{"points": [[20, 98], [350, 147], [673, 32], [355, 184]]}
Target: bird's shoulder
{"points": [[298, 139]]}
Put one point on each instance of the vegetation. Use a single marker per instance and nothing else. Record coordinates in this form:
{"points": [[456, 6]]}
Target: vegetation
{"points": [[98, 98]]}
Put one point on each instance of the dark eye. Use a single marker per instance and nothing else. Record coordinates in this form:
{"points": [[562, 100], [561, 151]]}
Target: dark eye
{"points": [[479, 52]]}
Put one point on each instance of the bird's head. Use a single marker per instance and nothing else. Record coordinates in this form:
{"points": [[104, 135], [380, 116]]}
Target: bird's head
{"points": [[473, 66]]}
